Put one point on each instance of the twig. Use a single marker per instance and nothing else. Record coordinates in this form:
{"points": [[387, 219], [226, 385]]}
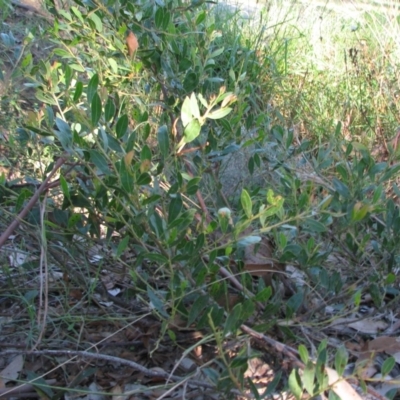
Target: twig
{"points": [[44, 277], [43, 187], [114, 360], [282, 348], [28, 7]]}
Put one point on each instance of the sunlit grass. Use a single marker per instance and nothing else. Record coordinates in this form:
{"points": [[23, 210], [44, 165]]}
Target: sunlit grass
{"points": [[327, 63]]}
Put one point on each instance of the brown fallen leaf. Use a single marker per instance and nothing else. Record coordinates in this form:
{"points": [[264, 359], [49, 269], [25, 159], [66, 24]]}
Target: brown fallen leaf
{"points": [[341, 387], [11, 371], [366, 364], [259, 260], [386, 344], [229, 301], [132, 43]]}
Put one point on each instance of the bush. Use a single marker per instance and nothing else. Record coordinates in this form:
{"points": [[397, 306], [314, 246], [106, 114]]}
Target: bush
{"points": [[147, 194]]}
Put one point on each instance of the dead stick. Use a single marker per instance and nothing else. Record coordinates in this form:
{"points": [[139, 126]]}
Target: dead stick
{"points": [[42, 188], [74, 354], [283, 348]]}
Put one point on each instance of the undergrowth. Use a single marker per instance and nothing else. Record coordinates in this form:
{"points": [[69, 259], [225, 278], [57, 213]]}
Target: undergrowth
{"points": [[185, 210]]}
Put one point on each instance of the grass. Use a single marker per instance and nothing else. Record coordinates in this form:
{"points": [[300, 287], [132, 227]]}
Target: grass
{"points": [[313, 112], [341, 69]]}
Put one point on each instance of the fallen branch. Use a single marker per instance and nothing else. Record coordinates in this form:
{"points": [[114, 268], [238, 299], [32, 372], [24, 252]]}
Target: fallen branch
{"points": [[43, 187], [111, 359]]}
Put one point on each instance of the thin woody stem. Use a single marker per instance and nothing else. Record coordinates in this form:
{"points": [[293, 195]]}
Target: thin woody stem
{"points": [[42, 188]]}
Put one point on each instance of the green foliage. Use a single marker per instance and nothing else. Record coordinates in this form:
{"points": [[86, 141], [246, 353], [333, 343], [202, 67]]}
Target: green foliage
{"points": [[145, 137]]}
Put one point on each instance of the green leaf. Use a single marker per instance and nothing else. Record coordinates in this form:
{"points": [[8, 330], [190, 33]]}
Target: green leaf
{"points": [[309, 377], [122, 126], [203, 101], [122, 245], [311, 225], [389, 174], [64, 187], [109, 109], [274, 200], [341, 359], [21, 199], [65, 14], [77, 67], [254, 390], [73, 220], [220, 113], [341, 188], [303, 352], [192, 130], [194, 107], [154, 257], [224, 219], [357, 298], [295, 384], [271, 210], [186, 113], [359, 211], [159, 17], [322, 347], [78, 91], [248, 240], [295, 301], [390, 279], [200, 18], [97, 21], [172, 335], [197, 307], [64, 134], [174, 209], [333, 396], [240, 227], [114, 144], [193, 186], [95, 109], [264, 295], [245, 199], [113, 65], [63, 126], [45, 98], [250, 165], [387, 366], [216, 53], [363, 386], [320, 367], [377, 194], [92, 87], [78, 14], [191, 81], [41, 386], [99, 161], [183, 221], [233, 321], [68, 75], [239, 362], [163, 140], [156, 302], [145, 154], [166, 19], [144, 179]]}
